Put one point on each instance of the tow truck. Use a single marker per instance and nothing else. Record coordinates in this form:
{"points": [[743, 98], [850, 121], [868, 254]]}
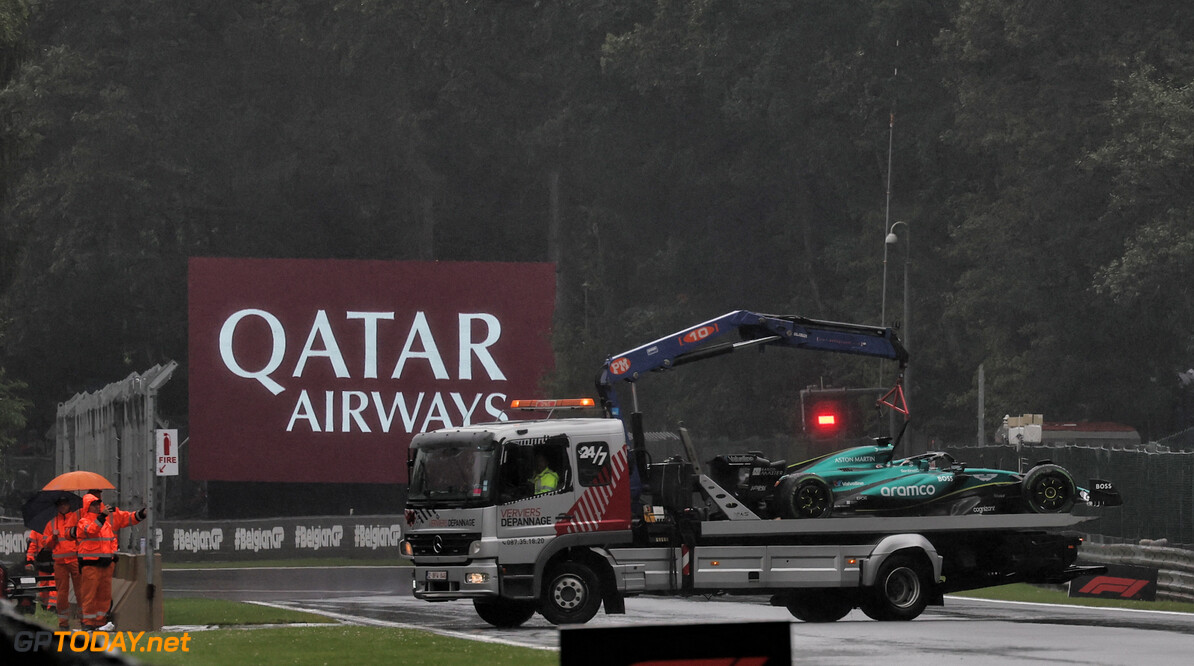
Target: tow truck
{"points": [[618, 524]]}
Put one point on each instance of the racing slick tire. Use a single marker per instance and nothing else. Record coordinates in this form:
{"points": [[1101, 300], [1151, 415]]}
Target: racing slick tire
{"points": [[505, 613], [804, 496], [901, 590], [571, 594], [1048, 489], [819, 605]]}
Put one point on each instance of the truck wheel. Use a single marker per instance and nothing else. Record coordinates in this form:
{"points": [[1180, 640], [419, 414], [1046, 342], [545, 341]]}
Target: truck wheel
{"points": [[819, 605], [901, 590], [804, 496], [504, 613], [571, 594], [1048, 489]]}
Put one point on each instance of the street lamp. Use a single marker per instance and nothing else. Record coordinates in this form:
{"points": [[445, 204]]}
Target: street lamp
{"points": [[892, 239]]}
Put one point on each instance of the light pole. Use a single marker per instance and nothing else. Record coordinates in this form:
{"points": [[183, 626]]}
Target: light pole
{"points": [[892, 239], [905, 331]]}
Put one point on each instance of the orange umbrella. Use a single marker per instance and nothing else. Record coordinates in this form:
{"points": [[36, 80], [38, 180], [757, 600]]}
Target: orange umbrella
{"points": [[79, 480]]}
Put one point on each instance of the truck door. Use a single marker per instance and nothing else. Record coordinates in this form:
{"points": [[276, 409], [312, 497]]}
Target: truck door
{"points": [[536, 488]]}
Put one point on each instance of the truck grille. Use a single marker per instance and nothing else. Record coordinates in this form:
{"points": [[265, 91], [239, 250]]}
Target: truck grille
{"points": [[446, 544]]}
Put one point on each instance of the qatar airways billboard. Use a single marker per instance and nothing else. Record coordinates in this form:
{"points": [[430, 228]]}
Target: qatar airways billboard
{"points": [[322, 370]]}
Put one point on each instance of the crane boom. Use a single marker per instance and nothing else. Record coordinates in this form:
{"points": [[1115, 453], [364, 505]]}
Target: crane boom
{"points": [[700, 342]]}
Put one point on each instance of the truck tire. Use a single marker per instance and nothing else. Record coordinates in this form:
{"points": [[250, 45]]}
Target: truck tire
{"points": [[901, 591], [1048, 489], [571, 594], [804, 496], [819, 605], [504, 613]]}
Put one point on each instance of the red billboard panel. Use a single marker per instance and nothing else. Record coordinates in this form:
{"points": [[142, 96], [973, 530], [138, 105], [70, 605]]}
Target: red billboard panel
{"points": [[322, 370]]}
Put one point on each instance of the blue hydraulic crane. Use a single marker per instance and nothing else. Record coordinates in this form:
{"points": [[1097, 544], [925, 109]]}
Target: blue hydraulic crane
{"points": [[754, 329]]}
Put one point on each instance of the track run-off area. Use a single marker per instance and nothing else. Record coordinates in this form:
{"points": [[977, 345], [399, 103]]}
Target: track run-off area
{"points": [[964, 630]]}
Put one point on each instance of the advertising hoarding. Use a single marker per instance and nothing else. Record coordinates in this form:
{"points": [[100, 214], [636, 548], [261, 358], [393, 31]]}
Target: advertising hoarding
{"points": [[321, 371]]}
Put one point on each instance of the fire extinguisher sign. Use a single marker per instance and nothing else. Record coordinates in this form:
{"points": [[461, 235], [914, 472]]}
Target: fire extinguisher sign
{"points": [[167, 452]]}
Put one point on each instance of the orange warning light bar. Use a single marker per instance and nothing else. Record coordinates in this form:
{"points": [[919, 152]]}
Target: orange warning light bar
{"points": [[561, 403]]}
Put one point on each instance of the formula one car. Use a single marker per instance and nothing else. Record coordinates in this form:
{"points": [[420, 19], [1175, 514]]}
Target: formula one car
{"points": [[866, 480]]}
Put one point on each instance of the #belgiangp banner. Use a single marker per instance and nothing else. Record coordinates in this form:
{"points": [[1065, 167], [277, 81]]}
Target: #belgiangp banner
{"points": [[316, 371]]}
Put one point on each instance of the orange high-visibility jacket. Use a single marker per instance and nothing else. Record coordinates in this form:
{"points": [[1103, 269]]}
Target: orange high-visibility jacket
{"points": [[98, 538], [61, 533], [37, 541]]}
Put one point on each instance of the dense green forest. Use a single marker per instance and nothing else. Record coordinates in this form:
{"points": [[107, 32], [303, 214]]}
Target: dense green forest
{"points": [[679, 159]]}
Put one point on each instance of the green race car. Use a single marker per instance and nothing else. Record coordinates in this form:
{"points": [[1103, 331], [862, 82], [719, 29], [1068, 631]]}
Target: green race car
{"points": [[866, 480]]}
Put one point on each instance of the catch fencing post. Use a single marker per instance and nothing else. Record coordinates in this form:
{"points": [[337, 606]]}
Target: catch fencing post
{"points": [[151, 395]]}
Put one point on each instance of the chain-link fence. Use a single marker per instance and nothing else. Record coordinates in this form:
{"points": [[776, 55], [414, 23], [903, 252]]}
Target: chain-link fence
{"points": [[1157, 484]]}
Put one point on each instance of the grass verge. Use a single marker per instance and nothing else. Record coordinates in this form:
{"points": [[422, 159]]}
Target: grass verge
{"points": [[241, 639], [1046, 595], [342, 644], [193, 611]]}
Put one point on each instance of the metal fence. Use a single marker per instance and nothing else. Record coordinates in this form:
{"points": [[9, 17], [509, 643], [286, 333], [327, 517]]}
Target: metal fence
{"points": [[1175, 566], [1157, 485], [111, 432]]}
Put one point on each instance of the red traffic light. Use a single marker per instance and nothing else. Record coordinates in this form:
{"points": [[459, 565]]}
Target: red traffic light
{"points": [[826, 419]]}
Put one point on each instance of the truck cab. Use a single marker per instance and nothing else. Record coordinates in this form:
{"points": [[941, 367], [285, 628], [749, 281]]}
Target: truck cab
{"points": [[473, 493]]}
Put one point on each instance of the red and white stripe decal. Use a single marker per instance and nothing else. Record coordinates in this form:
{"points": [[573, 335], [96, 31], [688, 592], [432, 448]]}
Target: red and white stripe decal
{"points": [[602, 507], [685, 560]]}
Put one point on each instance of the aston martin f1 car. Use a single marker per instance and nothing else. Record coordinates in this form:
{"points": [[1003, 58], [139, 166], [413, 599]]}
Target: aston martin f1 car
{"points": [[866, 480]]}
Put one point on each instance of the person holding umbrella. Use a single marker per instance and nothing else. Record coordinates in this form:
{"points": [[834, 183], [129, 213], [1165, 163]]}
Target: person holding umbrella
{"points": [[96, 533], [61, 533], [51, 515]]}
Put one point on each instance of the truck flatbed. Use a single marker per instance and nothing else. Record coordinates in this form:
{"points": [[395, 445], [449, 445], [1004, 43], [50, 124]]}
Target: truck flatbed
{"points": [[890, 524]]}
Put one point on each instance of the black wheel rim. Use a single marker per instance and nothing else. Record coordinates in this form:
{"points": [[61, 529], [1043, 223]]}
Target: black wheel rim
{"points": [[811, 500], [1051, 493]]}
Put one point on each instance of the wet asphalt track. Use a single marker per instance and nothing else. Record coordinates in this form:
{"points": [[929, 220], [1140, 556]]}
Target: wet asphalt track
{"points": [[963, 631]]}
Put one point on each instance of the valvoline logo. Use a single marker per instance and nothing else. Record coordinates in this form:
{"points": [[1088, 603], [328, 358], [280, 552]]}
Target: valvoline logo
{"points": [[698, 334], [619, 366]]}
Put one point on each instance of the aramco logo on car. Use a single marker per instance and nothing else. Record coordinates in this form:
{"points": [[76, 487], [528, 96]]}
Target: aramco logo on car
{"points": [[908, 491]]}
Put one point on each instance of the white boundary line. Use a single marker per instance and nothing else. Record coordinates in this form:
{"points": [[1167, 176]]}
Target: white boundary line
{"points": [[1075, 606], [354, 619]]}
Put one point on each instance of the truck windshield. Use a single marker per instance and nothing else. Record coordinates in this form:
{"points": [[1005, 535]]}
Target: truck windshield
{"points": [[452, 473]]}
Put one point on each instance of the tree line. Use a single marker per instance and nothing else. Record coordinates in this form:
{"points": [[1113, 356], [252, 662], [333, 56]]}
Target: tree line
{"points": [[679, 159]]}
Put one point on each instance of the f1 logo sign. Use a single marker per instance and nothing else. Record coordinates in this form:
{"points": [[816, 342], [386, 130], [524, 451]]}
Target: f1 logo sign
{"points": [[724, 661], [1118, 582], [1105, 585]]}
